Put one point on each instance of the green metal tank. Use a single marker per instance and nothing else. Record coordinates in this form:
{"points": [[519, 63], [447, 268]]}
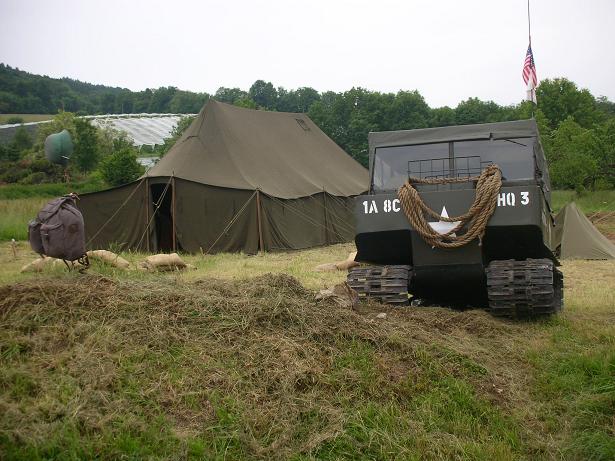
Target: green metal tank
{"points": [[59, 147]]}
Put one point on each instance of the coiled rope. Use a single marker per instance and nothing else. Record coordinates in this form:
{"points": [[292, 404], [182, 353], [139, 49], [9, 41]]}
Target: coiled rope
{"points": [[488, 185]]}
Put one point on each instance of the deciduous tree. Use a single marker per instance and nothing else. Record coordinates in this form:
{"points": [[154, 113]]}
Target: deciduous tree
{"points": [[263, 94], [86, 152], [121, 167], [560, 99]]}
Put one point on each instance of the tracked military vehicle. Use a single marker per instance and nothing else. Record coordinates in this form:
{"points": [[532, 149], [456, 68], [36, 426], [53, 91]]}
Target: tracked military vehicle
{"points": [[508, 267]]}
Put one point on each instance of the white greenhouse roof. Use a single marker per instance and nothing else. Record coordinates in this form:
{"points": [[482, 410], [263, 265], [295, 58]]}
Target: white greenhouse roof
{"points": [[143, 129]]}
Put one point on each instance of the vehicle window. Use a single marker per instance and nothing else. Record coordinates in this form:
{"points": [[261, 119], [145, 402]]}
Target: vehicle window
{"points": [[515, 157], [391, 164]]}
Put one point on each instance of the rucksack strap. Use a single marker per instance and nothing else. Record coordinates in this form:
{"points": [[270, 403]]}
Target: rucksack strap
{"points": [[83, 260]]}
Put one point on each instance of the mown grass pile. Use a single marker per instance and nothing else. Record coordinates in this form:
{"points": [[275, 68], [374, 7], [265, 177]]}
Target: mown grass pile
{"points": [[165, 367], [250, 369]]}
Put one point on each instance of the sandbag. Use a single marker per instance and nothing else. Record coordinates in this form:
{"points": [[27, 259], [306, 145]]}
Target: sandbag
{"points": [[109, 257], [327, 267], [172, 259], [162, 262], [38, 264], [348, 263]]}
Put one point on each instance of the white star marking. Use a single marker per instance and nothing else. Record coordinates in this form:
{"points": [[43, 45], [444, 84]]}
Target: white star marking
{"points": [[442, 227]]}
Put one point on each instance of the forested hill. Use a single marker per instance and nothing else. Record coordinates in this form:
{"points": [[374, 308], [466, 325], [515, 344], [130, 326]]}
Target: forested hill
{"points": [[25, 93], [577, 128]]}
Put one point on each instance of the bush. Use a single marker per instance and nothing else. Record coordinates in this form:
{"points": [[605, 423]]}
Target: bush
{"points": [[603, 184], [34, 178], [121, 167], [574, 170], [21, 140], [8, 153], [14, 120], [14, 173], [87, 152], [45, 166]]}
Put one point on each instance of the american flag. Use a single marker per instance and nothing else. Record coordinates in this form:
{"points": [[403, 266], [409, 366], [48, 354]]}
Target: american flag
{"points": [[529, 75]]}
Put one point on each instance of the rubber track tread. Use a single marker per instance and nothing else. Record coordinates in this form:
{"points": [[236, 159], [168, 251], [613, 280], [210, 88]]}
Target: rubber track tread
{"points": [[524, 288], [387, 284]]}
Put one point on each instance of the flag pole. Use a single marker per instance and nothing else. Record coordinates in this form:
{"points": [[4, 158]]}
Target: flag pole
{"points": [[529, 36], [529, 27]]}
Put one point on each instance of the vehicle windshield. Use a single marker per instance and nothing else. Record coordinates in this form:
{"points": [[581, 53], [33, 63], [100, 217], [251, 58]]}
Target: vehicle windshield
{"points": [[393, 165]]}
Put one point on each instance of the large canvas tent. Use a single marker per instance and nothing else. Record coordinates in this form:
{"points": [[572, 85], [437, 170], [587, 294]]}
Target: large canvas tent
{"points": [[237, 180], [575, 237]]}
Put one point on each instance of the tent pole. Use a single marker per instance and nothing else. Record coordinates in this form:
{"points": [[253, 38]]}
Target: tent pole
{"points": [[324, 199], [173, 211], [147, 201], [258, 217]]}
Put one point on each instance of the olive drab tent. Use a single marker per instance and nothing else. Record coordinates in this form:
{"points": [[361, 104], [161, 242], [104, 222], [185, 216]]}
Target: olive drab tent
{"points": [[575, 237], [236, 180]]}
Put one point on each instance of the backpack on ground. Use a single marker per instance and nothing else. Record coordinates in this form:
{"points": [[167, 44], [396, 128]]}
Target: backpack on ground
{"points": [[58, 231]]}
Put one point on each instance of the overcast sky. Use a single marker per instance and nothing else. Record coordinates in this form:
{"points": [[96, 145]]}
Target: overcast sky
{"points": [[448, 50]]}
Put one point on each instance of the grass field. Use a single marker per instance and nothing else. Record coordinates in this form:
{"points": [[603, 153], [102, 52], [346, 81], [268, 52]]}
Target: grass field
{"points": [[26, 117], [589, 202], [48, 190], [20, 203], [236, 361], [15, 215]]}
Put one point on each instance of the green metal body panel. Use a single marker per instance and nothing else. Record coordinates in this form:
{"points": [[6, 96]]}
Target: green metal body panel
{"points": [[520, 209]]}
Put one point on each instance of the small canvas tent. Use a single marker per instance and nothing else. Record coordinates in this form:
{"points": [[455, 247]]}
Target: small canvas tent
{"points": [[237, 180], [575, 237]]}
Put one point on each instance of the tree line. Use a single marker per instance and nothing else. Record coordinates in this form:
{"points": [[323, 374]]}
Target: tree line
{"points": [[577, 129], [25, 93]]}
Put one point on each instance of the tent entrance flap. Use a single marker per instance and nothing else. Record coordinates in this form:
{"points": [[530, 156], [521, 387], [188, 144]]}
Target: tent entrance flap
{"points": [[162, 198]]}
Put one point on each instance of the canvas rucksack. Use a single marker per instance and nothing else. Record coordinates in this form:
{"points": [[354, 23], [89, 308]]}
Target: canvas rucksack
{"points": [[58, 231]]}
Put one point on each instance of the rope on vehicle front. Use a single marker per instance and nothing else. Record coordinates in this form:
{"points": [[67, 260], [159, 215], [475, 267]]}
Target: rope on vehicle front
{"points": [[474, 221]]}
